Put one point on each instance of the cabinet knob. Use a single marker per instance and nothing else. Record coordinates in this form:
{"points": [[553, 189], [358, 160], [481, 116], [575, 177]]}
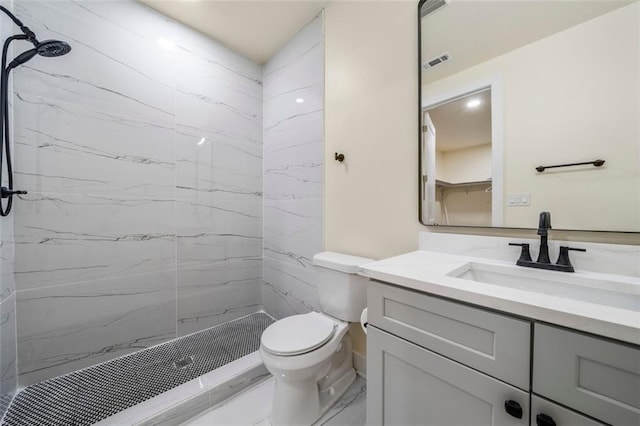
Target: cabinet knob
{"points": [[513, 408], [545, 420]]}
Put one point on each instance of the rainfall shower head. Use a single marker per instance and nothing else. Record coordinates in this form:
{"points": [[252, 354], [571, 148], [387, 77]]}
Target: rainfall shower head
{"points": [[47, 48], [52, 48]]}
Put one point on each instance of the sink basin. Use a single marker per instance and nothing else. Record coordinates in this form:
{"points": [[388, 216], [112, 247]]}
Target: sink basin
{"points": [[622, 294]]}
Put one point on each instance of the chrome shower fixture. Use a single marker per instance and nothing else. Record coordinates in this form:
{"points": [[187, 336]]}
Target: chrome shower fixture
{"points": [[46, 48]]}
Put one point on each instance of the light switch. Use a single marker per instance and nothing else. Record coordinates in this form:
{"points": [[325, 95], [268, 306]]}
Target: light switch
{"points": [[518, 199]]}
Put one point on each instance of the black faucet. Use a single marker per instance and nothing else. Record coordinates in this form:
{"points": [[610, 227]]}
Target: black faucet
{"points": [[563, 264], [543, 230]]}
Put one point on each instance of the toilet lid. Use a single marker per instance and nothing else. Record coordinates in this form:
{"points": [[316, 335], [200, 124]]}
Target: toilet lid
{"points": [[298, 334]]}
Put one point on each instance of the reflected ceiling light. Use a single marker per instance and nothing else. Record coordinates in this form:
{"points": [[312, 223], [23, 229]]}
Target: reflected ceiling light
{"points": [[201, 141], [473, 103], [299, 100], [166, 43]]}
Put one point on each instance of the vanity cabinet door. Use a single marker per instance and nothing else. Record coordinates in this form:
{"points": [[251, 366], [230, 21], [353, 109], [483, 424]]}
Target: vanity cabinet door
{"points": [[546, 413], [409, 385], [598, 377], [495, 344]]}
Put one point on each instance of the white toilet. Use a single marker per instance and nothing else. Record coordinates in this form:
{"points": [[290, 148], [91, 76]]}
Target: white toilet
{"points": [[310, 354]]}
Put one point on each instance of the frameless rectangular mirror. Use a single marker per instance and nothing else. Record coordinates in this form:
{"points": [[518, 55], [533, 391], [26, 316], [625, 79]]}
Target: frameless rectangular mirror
{"points": [[530, 106]]}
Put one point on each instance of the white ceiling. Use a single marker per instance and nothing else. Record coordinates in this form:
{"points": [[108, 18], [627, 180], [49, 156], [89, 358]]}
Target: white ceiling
{"points": [[458, 126], [474, 31], [256, 29]]}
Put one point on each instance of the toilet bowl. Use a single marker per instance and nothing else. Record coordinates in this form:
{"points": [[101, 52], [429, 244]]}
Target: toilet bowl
{"points": [[310, 355]]}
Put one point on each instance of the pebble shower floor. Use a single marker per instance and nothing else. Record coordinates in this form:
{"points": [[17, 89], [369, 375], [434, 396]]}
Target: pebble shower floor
{"points": [[87, 396]]}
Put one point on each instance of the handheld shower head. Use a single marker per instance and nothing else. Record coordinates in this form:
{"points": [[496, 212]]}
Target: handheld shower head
{"points": [[47, 48], [21, 59], [52, 48]]}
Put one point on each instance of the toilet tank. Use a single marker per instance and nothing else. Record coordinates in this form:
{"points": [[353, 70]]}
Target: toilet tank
{"points": [[342, 293]]}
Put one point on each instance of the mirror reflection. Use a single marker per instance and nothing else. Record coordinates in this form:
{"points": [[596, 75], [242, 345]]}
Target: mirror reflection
{"points": [[553, 83], [458, 138]]}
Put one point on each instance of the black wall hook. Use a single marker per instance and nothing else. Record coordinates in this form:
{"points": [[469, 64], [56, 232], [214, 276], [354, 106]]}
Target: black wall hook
{"points": [[339, 157]]}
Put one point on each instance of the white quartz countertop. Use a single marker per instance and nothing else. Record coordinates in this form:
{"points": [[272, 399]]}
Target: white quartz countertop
{"points": [[426, 271]]}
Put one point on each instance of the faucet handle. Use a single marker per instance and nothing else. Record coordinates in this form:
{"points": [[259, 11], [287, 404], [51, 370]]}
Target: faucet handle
{"points": [[525, 255], [563, 258]]}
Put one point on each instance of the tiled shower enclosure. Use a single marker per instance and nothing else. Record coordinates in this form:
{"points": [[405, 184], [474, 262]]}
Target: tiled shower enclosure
{"points": [[150, 154]]}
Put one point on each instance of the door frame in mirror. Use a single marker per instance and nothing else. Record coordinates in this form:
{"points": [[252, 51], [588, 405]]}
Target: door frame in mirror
{"points": [[495, 84]]}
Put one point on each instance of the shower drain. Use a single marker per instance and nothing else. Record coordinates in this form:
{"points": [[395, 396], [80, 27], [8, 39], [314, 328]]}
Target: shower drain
{"points": [[87, 396], [183, 362]]}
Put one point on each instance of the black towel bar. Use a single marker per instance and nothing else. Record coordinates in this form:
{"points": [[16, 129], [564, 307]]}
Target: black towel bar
{"points": [[596, 163]]}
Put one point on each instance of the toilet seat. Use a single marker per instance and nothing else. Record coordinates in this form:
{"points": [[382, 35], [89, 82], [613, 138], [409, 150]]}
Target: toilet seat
{"points": [[298, 334]]}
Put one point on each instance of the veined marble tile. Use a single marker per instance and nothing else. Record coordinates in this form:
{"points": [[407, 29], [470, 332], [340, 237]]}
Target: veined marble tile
{"points": [[202, 112], [208, 163], [69, 327], [294, 118], [297, 49], [297, 170], [7, 257], [8, 364], [62, 148], [221, 79], [293, 172], [293, 229], [293, 78], [350, 409], [297, 101], [215, 57], [65, 238], [132, 18], [211, 229], [109, 68], [253, 407], [288, 289], [211, 294], [218, 92], [206, 247]]}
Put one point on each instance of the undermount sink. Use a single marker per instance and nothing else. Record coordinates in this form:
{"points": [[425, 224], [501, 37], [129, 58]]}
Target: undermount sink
{"points": [[622, 294]]}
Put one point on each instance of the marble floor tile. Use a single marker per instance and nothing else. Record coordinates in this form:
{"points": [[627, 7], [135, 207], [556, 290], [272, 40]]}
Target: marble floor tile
{"points": [[253, 407]]}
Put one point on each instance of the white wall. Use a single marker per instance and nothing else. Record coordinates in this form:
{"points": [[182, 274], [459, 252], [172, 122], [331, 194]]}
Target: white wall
{"points": [[571, 97], [371, 101], [465, 165], [371, 200]]}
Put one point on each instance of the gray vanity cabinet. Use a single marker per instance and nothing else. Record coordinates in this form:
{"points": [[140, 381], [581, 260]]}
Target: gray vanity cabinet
{"points": [[409, 385], [497, 345], [435, 362], [432, 361], [595, 376]]}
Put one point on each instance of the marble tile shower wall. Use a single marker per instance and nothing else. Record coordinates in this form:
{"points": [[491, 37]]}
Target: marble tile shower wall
{"points": [[293, 172], [8, 364], [143, 220]]}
